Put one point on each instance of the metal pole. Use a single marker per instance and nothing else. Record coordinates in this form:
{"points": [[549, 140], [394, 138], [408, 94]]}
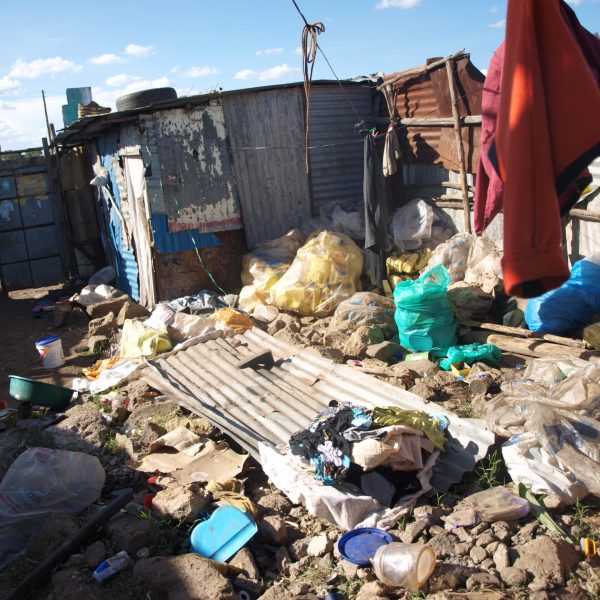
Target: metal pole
{"points": [[50, 136]]}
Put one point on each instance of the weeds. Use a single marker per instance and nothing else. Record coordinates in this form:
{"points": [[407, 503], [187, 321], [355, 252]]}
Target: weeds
{"points": [[415, 596], [112, 446], [490, 470]]}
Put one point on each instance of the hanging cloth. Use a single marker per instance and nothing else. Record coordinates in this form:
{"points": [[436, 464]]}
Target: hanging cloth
{"points": [[548, 132], [376, 217], [391, 152]]}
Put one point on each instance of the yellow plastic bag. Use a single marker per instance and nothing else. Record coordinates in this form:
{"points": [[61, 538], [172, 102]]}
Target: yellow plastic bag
{"points": [[138, 340], [325, 272], [264, 266], [238, 321]]}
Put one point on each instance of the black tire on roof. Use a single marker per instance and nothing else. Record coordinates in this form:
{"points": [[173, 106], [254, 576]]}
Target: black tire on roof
{"points": [[145, 98]]}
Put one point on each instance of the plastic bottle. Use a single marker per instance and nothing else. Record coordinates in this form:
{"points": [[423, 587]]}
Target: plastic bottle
{"points": [[109, 567], [404, 565]]}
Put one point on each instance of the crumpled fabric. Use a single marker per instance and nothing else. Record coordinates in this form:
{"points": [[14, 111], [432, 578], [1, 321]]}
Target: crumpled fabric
{"points": [[430, 426], [343, 504], [323, 442], [399, 447], [230, 492]]}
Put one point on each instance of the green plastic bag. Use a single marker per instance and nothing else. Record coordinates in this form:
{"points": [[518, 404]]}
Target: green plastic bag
{"points": [[424, 314], [472, 353]]}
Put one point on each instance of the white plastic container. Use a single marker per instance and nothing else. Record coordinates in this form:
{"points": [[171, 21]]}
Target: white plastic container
{"points": [[51, 352], [404, 565]]}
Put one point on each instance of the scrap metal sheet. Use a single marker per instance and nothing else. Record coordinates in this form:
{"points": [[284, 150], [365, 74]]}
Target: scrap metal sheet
{"points": [[269, 405]]}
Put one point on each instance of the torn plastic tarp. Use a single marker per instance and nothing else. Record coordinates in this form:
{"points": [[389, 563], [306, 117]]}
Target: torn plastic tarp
{"points": [[341, 504]]}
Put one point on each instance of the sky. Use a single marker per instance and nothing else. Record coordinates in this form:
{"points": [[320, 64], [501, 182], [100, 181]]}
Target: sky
{"points": [[196, 46]]}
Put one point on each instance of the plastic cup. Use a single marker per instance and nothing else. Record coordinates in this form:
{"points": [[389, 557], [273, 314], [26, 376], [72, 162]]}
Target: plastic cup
{"points": [[404, 565]]}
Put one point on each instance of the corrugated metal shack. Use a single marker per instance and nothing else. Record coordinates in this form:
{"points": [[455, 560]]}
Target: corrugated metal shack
{"points": [[195, 181]]}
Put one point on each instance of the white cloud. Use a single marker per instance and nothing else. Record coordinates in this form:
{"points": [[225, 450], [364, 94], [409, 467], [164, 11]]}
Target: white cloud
{"points": [[23, 124], [494, 8], [298, 50], [9, 85], [245, 74], [200, 71], [175, 69], [397, 4], [144, 84], [7, 106], [275, 51], [283, 71], [484, 71], [498, 24], [139, 51], [42, 66], [121, 79], [575, 2], [106, 59]]}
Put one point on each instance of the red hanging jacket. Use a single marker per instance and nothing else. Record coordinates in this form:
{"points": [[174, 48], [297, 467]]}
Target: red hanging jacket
{"points": [[548, 131]]}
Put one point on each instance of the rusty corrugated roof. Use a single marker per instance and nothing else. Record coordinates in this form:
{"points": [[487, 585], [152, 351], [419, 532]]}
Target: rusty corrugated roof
{"points": [[428, 96]]}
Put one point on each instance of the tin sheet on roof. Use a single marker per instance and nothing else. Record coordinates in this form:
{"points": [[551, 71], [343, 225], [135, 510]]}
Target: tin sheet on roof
{"points": [[269, 405], [428, 96]]}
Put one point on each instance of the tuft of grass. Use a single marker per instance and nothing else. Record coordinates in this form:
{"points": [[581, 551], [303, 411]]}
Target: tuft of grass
{"points": [[490, 471], [111, 446]]}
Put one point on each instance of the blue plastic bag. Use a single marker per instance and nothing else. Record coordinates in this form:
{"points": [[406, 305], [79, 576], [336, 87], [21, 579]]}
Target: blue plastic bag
{"points": [[423, 312], [570, 306]]}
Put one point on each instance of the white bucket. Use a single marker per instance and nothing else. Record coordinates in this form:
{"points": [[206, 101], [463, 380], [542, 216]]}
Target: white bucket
{"points": [[51, 352]]}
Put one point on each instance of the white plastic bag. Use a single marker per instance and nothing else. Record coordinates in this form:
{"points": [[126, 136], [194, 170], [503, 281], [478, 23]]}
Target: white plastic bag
{"points": [[454, 255], [411, 224], [41, 482], [484, 265]]}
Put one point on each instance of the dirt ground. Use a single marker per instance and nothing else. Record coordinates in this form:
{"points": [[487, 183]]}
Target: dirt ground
{"points": [[21, 328]]}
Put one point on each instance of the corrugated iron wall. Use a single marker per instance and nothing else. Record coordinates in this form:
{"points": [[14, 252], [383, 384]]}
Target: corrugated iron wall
{"points": [[197, 176], [336, 172], [266, 132], [125, 262]]}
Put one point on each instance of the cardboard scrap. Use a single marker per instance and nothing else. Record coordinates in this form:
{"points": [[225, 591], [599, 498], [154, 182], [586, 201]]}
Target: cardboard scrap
{"points": [[181, 440], [214, 461]]}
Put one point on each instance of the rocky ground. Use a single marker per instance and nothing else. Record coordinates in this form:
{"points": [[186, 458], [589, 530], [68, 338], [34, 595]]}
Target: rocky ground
{"points": [[294, 554]]}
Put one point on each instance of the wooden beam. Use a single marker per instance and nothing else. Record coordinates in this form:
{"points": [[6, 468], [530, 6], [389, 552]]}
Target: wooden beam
{"points": [[534, 347], [459, 145], [471, 120], [527, 333], [585, 215]]}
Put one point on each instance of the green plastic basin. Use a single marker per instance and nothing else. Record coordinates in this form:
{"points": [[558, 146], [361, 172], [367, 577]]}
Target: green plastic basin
{"points": [[39, 393]]}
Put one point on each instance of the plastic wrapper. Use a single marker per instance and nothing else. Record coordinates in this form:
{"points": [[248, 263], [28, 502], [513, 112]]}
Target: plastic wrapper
{"points": [[324, 273], [411, 224], [570, 306], [350, 223], [423, 312], [140, 341], [454, 255], [264, 266], [491, 505], [551, 418], [41, 482], [366, 308], [408, 262], [470, 354], [484, 265]]}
